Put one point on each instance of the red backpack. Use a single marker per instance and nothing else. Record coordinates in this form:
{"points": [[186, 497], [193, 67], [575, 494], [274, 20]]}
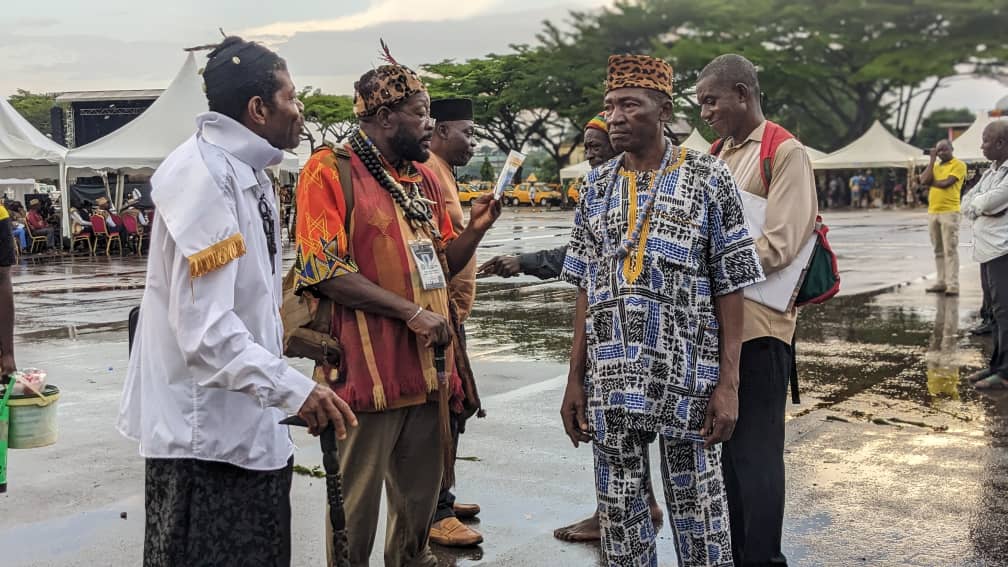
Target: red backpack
{"points": [[822, 276]]}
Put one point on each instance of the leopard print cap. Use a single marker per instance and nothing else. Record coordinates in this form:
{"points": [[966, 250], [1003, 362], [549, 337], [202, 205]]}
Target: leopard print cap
{"points": [[385, 86], [639, 71]]}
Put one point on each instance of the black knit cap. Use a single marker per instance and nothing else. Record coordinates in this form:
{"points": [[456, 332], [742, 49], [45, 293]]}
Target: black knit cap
{"points": [[451, 109], [236, 62]]}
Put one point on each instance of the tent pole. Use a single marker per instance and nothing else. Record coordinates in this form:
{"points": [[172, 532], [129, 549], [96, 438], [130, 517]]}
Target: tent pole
{"points": [[65, 192], [104, 178], [120, 187]]}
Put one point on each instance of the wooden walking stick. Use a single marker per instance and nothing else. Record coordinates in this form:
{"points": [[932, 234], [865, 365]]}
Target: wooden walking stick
{"points": [[334, 491]]}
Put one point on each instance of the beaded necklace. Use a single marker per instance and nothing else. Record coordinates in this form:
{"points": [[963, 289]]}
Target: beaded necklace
{"points": [[629, 243], [415, 207]]}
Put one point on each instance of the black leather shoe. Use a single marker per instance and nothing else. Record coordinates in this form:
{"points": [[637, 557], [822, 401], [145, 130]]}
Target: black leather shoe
{"points": [[982, 329]]}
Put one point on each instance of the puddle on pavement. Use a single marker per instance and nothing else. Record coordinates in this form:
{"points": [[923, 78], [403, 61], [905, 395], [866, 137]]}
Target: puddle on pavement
{"points": [[900, 345]]}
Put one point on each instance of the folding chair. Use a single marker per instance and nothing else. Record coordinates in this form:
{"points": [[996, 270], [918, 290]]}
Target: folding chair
{"points": [[134, 231], [84, 237], [100, 230], [34, 241]]}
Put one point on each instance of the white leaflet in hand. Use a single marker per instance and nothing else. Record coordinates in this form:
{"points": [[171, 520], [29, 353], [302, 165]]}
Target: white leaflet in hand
{"points": [[514, 161]]}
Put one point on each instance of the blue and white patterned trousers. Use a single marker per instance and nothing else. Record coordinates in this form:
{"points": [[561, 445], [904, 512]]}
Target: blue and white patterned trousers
{"points": [[694, 494]]}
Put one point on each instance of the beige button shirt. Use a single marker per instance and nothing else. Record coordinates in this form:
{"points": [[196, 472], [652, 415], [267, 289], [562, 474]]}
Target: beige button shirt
{"points": [[791, 213], [462, 286]]}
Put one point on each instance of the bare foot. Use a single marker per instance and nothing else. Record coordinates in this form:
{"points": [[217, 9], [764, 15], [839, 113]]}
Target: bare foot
{"points": [[588, 529], [585, 530]]}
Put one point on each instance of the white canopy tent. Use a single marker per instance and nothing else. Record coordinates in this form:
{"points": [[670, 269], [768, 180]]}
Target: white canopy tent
{"points": [[967, 146], [814, 154], [144, 143], [16, 189], [696, 141], [875, 148], [575, 171], [24, 151]]}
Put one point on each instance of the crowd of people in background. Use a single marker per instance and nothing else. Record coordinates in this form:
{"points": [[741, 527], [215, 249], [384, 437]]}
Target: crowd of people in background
{"points": [[40, 219], [867, 189]]}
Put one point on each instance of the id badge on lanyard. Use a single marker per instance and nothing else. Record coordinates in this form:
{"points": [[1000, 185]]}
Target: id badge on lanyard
{"points": [[427, 263]]}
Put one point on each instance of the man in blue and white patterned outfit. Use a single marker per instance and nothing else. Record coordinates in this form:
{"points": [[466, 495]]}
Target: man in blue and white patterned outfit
{"points": [[660, 252]]}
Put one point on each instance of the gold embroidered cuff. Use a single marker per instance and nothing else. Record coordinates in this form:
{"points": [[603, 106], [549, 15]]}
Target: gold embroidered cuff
{"points": [[216, 256]]}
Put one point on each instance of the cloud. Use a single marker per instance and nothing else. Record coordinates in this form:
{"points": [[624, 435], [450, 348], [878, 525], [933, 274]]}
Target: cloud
{"points": [[381, 12], [36, 23], [332, 61]]}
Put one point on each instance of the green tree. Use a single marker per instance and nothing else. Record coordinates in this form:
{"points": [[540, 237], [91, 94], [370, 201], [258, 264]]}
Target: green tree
{"points": [[331, 115], [505, 115], [828, 68], [35, 107], [487, 172], [931, 131], [541, 163]]}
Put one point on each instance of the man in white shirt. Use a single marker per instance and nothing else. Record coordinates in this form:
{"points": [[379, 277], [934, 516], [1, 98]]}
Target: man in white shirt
{"points": [[207, 383], [985, 205]]}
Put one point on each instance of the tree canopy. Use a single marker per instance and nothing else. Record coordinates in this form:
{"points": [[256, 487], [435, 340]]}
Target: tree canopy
{"points": [[931, 130], [35, 107], [828, 68], [331, 115]]}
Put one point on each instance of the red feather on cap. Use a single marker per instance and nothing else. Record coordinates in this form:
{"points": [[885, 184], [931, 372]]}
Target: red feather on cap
{"points": [[385, 54]]}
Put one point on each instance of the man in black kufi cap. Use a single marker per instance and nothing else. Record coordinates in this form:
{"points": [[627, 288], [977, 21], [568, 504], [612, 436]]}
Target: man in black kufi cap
{"points": [[452, 146], [207, 383]]}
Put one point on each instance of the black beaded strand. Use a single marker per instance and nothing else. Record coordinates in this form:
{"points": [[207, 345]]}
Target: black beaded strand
{"points": [[416, 208]]}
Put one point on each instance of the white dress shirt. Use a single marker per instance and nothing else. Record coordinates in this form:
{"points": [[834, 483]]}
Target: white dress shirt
{"points": [[206, 378], [989, 197]]}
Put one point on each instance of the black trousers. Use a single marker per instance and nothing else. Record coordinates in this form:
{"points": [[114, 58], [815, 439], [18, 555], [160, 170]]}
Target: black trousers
{"points": [[753, 459], [995, 273], [212, 514], [985, 307]]}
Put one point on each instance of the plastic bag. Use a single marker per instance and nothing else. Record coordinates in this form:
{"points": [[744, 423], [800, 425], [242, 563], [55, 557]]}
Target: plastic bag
{"points": [[29, 381]]}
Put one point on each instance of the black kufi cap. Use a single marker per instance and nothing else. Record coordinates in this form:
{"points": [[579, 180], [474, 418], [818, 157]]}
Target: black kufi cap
{"points": [[235, 62], [451, 109]]}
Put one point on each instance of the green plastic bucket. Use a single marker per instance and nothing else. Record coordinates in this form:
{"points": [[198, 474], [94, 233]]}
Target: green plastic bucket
{"points": [[33, 419]]}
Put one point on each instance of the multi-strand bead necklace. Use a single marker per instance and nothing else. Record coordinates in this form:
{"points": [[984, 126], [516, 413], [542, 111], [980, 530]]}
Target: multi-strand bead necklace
{"points": [[415, 207]]}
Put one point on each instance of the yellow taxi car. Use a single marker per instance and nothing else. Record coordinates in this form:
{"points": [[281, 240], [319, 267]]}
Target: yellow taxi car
{"points": [[472, 191], [574, 191], [535, 194]]}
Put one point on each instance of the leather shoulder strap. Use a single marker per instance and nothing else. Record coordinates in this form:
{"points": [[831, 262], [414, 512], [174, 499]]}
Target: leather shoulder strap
{"points": [[346, 181]]}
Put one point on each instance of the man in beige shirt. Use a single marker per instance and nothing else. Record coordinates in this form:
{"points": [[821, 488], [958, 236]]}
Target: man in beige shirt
{"points": [[729, 94], [452, 146]]}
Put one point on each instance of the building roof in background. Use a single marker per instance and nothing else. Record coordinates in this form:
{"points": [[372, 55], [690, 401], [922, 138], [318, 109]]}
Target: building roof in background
{"points": [[98, 96]]}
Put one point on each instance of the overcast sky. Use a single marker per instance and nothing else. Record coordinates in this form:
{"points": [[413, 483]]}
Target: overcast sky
{"points": [[65, 45]]}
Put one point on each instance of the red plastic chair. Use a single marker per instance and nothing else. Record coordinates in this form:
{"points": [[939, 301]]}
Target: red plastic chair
{"points": [[134, 231], [101, 231]]}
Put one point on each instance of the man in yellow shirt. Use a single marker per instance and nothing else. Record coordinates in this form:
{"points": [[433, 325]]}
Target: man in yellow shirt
{"points": [[945, 179]]}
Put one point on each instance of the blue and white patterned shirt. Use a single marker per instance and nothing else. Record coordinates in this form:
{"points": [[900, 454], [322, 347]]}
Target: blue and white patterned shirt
{"points": [[651, 329]]}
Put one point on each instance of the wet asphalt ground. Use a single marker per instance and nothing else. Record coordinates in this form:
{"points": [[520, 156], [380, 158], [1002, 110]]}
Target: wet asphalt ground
{"points": [[892, 458]]}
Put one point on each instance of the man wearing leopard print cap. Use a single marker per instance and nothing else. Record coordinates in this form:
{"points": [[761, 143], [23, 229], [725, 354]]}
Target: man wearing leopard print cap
{"points": [[375, 237], [660, 252]]}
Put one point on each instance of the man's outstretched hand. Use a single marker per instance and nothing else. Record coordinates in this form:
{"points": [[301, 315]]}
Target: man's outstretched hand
{"points": [[503, 266]]}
